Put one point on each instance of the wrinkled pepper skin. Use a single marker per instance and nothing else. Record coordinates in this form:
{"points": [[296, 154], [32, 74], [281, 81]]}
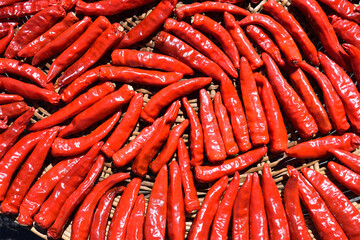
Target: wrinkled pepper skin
{"points": [[11, 110], [351, 160], [27, 8], [354, 54], [345, 176], [344, 8], [349, 31], [135, 230]]}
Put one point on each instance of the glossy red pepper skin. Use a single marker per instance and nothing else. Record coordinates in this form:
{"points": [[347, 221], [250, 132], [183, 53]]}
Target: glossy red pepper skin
{"points": [[344, 8], [82, 221], [345, 176], [293, 106], [228, 167], [200, 227], [8, 2], [190, 194], [351, 160], [11, 110], [196, 135], [122, 213], [79, 47], [332, 100], [349, 31], [67, 4], [27, 8], [155, 220], [6, 40], [354, 54], [170, 147], [169, 94], [242, 43], [222, 217], [9, 98], [208, 6], [241, 211], [135, 229]]}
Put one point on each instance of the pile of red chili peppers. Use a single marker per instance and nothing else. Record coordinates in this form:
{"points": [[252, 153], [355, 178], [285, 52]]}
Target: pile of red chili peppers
{"points": [[205, 106]]}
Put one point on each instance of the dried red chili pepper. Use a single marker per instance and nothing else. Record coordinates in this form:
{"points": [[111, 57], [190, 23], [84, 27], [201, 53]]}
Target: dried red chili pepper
{"points": [[344, 8], [289, 22], [200, 42], [8, 2], [155, 220], [135, 228], [228, 167], [293, 106], [6, 40], [34, 27], [349, 31], [3, 123], [26, 8], [200, 227], [354, 54], [79, 47], [62, 41], [11, 110], [67, 4], [242, 43], [332, 100], [123, 131], [351, 160], [169, 94], [345, 176], [208, 6], [9, 98], [5, 26], [76, 106], [222, 217]]}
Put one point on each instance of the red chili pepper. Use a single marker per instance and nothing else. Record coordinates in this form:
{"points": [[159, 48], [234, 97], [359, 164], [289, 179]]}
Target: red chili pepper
{"points": [[343, 210], [82, 221], [6, 40], [9, 137], [349, 31], [155, 220], [345, 176], [34, 27], [354, 54], [60, 43], [40, 42], [293, 106], [200, 227], [345, 88], [332, 100], [79, 47], [242, 43], [135, 228], [275, 122], [149, 24], [241, 211], [154, 143], [122, 213], [130, 151], [344, 8], [3, 123], [289, 22], [75, 146], [123, 131], [68, 4], [9, 98], [57, 228], [11, 110], [208, 6], [200, 42], [106, 106], [222, 217], [228, 167], [26, 8], [175, 212], [169, 94], [351, 160], [28, 172], [8, 2], [76, 106], [5, 26]]}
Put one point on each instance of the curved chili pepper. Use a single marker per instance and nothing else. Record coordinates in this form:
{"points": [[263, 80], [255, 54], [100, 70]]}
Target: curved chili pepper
{"points": [[222, 217], [57, 228], [123, 131], [242, 43], [354, 54], [289, 22], [76, 106], [343, 210], [79, 47], [149, 24], [9, 98], [275, 122], [27, 8], [169, 94], [349, 31], [28, 172], [11, 110], [345, 176], [351, 160], [178, 49], [228, 167], [275, 212], [325, 223], [51, 208], [200, 42], [40, 42], [208, 6], [8, 2], [135, 228], [190, 194], [133, 58], [6, 40], [344, 8], [332, 100], [28, 91], [155, 220], [130, 151], [7, 25], [60, 43], [75, 146], [241, 211], [104, 107], [34, 27], [293, 106], [200, 228], [83, 217]]}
